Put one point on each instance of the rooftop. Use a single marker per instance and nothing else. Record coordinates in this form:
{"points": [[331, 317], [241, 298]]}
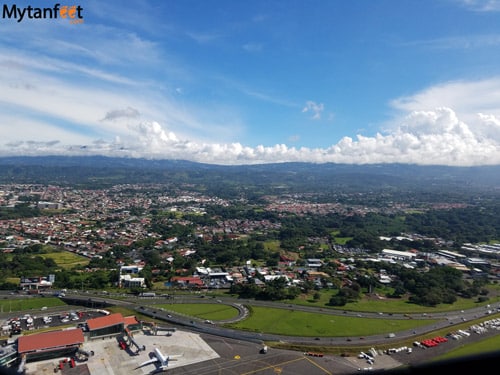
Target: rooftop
{"points": [[105, 321], [50, 340]]}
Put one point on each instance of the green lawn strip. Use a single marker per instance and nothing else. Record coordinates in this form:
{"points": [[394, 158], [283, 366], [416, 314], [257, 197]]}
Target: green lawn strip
{"points": [[478, 348], [298, 323], [215, 311], [26, 304]]}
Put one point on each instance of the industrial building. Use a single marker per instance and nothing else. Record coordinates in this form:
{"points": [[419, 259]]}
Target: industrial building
{"points": [[399, 255]]}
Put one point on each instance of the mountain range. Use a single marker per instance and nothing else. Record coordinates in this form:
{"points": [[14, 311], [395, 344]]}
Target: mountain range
{"points": [[99, 170]]}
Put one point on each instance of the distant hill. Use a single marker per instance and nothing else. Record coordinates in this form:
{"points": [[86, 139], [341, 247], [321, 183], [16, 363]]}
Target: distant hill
{"points": [[98, 171]]}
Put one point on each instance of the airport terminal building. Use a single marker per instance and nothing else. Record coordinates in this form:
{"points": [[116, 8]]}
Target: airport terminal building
{"points": [[49, 345], [109, 325], [66, 342]]}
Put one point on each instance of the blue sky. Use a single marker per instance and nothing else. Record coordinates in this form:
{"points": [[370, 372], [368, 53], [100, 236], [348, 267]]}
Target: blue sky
{"points": [[238, 82]]}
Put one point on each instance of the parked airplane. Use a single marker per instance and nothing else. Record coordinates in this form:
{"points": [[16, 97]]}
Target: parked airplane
{"points": [[160, 360]]}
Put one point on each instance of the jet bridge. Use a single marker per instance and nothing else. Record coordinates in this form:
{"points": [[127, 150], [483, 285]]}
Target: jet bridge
{"points": [[129, 335]]}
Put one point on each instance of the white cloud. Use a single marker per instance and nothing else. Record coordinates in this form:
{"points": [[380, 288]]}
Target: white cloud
{"points": [[466, 98], [424, 137], [55, 95], [36, 88], [315, 108], [454, 123]]}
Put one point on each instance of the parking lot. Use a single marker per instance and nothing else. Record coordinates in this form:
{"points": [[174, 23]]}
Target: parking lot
{"points": [[45, 318]]}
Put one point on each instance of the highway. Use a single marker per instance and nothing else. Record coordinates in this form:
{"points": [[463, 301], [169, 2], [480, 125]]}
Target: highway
{"points": [[145, 305]]}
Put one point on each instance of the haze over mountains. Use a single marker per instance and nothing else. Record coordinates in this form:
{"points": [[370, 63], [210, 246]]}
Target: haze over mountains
{"points": [[98, 169]]}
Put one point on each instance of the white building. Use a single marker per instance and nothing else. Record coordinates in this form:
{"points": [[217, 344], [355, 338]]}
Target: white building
{"points": [[127, 281], [399, 255]]}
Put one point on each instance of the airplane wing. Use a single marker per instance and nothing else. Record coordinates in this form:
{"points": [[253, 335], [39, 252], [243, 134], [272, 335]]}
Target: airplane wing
{"points": [[153, 360]]}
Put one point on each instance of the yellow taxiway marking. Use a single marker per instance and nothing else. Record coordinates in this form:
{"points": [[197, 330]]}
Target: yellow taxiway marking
{"points": [[277, 367], [318, 366]]}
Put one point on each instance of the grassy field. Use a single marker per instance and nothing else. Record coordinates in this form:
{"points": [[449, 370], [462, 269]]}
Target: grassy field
{"points": [[340, 240], [66, 259], [403, 306], [389, 305], [272, 245], [26, 304], [210, 311], [299, 323]]}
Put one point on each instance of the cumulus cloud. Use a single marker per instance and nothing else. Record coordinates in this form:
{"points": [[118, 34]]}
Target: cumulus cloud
{"points": [[152, 133], [434, 137], [315, 108], [424, 137]]}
